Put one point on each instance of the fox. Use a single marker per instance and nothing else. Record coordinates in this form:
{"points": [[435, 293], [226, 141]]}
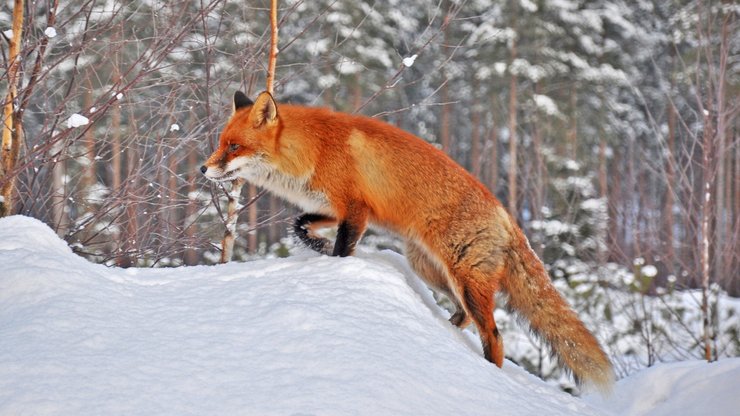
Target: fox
{"points": [[352, 171]]}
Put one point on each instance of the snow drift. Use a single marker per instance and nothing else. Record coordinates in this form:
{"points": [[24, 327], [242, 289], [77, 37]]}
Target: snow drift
{"points": [[682, 388], [306, 335]]}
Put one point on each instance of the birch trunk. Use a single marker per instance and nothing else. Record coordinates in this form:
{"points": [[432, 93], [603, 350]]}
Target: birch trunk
{"points": [[12, 126]]}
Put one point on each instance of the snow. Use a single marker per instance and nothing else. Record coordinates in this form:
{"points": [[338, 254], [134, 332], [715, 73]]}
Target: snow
{"points": [[50, 32], [553, 227], [77, 120], [347, 66], [546, 104], [408, 61], [375, 52], [304, 335], [523, 67], [682, 388], [528, 5], [649, 271], [500, 67], [402, 21], [594, 204], [327, 81]]}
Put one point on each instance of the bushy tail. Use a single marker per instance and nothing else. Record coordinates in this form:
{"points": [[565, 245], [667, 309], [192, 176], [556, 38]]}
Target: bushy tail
{"points": [[533, 297]]}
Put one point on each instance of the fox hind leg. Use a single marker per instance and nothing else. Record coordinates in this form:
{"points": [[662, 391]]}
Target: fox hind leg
{"points": [[478, 300], [424, 266]]}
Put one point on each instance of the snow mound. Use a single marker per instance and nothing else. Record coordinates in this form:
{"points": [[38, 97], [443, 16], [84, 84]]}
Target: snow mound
{"points": [[682, 388], [304, 335], [31, 236]]}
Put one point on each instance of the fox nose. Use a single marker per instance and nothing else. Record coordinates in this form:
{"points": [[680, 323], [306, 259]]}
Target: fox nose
{"points": [[203, 169]]}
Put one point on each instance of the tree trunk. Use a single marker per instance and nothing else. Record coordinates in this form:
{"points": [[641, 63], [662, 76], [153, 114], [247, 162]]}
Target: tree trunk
{"points": [[539, 171], [721, 225], [614, 242], [357, 91], [734, 209], [633, 204], [573, 130], [444, 132], [116, 167], [444, 126], [130, 202], [59, 218], [232, 213], [190, 255], [704, 240], [512, 135], [90, 175], [252, 241], [603, 255], [274, 230], [273, 47], [669, 223], [603, 172], [12, 126], [493, 138], [475, 135]]}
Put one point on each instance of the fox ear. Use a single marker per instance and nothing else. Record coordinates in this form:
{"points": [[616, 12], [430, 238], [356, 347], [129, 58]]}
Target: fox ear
{"points": [[264, 111], [241, 101]]}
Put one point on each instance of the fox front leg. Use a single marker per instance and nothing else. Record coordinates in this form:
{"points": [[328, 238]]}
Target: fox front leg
{"points": [[347, 236], [349, 232]]}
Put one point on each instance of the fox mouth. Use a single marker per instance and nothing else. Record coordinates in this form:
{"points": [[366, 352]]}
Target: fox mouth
{"points": [[227, 176], [241, 167], [223, 177]]}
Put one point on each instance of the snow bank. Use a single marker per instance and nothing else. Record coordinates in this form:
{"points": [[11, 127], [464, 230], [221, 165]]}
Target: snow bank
{"points": [[682, 388], [304, 335]]}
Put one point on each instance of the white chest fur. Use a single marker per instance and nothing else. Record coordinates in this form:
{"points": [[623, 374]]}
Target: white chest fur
{"points": [[293, 189]]}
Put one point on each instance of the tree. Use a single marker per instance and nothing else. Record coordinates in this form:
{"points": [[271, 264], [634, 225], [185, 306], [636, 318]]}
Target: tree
{"points": [[12, 135]]}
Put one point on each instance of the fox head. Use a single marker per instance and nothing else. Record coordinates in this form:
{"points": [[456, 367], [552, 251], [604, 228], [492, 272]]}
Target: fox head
{"points": [[247, 140]]}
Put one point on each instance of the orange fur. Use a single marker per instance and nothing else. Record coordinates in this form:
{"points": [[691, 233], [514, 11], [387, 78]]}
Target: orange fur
{"points": [[353, 170]]}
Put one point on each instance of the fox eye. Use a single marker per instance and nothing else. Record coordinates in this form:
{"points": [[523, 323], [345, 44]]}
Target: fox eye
{"points": [[233, 147]]}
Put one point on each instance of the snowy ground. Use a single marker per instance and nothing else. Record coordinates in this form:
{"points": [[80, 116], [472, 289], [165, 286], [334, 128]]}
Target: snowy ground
{"points": [[306, 335]]}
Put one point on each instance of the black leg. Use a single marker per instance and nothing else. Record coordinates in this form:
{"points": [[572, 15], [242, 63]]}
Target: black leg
{"points": [[302, 228], [347, 236]]}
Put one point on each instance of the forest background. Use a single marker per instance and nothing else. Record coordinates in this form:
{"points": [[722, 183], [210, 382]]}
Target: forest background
{"points": [[609, 128]]}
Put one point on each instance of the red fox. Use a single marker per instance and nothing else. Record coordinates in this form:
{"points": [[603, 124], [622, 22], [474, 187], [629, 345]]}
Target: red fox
{"points": [[351, 171]]}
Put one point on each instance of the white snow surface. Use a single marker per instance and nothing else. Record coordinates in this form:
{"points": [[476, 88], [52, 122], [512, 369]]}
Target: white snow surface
{"points": [[682, 388], [308, 335]]}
